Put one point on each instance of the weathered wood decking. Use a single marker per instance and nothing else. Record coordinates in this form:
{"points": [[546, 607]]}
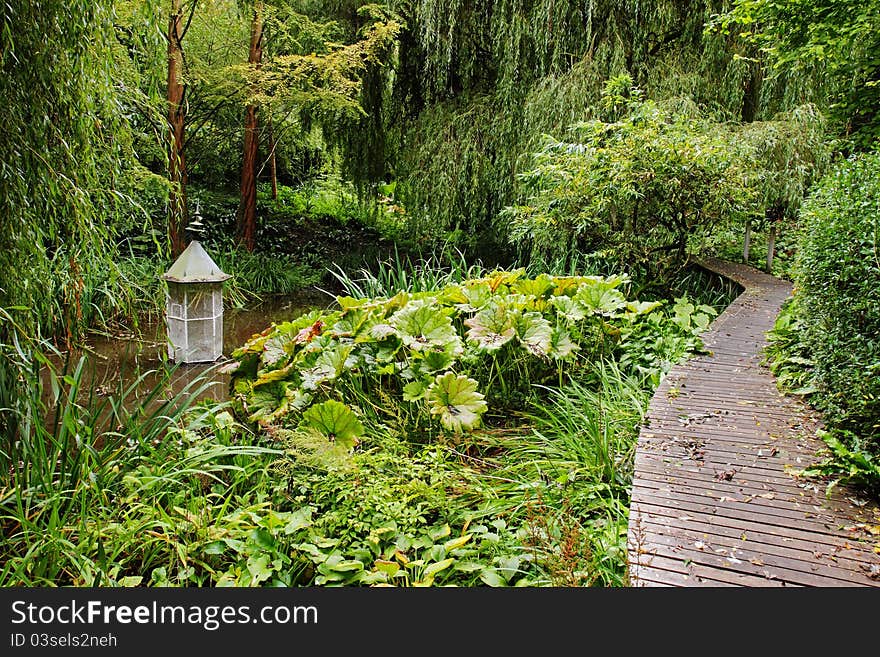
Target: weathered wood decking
{"points": [[715, 498]]}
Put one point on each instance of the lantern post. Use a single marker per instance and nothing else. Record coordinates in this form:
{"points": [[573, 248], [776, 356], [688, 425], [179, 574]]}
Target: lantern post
{"points": [[194, 307]]}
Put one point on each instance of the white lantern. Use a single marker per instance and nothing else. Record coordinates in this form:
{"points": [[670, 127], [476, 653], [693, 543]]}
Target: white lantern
{"points": [[194, 307]]}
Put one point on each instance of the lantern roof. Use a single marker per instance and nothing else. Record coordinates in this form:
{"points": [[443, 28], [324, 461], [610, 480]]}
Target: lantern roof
{"points": [[195, 266]]}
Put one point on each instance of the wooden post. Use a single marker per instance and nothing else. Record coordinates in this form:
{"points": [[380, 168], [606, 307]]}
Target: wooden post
{"points": [[746, 241], [771, 245]]}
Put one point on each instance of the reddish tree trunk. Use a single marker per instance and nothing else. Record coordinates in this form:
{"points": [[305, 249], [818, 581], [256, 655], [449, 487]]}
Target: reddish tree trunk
{"points": [[273, 168], [246, 217], [177, 215]]}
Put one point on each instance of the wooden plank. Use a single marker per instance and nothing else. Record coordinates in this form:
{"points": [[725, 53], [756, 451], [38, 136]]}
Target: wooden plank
{"points": [[761, 564], [678, 467], [768, 503], [786, 497], [664, 516], [776, 516], [727, 416], [798, 558], [674, 571]]}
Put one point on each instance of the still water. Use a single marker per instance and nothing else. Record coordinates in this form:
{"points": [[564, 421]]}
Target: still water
{"points": [[132, 366]]}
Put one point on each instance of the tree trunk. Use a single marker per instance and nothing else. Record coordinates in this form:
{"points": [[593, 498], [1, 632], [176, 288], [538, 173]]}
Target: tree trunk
{"points": [[752, 93], [746, 241], [273, 168], [246, 217], [177, 214]]}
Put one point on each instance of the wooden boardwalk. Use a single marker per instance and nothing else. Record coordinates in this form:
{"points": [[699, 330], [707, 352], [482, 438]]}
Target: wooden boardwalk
{"points": [[716, 500]]}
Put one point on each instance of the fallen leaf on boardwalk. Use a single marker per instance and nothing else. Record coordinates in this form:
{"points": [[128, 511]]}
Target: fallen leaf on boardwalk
{"points": [[874, 529], [699, 545], [757, 562], [873, 570], [728, 499], [733, 560], [857, 502], [726, 475], [768, 496]]}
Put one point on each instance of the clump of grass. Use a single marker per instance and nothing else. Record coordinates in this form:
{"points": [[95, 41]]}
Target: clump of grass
{"points": [[64, 463], [400, 272], [565, 474]]}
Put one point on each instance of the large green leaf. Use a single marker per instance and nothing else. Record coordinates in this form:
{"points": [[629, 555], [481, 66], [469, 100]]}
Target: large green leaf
{"points": [[535, 333], [422, 324], [600, 297], [561, 344], [536, 287], [336, 421], [454, 398], [642, 307], [570, 309], [330, 363], [492, 327]]}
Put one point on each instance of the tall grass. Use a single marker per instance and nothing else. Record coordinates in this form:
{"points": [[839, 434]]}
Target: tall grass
{"points": [[67, 454], [407, 272], [565, 473]]}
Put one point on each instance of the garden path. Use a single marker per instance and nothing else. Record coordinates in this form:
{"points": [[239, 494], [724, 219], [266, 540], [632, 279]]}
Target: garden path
{"points": [[716, 498]]}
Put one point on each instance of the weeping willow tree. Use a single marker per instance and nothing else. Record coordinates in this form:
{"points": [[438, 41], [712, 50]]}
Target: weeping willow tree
{"points": [[479, 84], [63, 154]]}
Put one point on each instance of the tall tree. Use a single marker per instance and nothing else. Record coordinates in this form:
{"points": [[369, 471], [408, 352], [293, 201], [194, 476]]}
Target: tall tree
{"points": [[64, 160], [305, 76], [246, 216], [835, 41], [177, 212]]}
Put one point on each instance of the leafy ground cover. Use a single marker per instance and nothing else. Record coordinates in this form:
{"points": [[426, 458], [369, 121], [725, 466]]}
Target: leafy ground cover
{"points": [[478, 433]]}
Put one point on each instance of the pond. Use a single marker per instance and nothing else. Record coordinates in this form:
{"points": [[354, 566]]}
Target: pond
{"points": [[133, 366]]}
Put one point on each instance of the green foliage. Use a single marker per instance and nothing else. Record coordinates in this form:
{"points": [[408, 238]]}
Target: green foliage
{"points": [[64, 157], [477, 87], [838, 293], [790, 152], [838, 38], [427, 353], [638, 188], [336, 421], [824, 344], [848, 463], [787, 355], [456, 400], [326, 493]]}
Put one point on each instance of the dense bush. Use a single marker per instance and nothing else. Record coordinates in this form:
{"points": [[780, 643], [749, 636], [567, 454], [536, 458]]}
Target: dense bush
{"points": [[447, 353], [838, 297], [636, 187]]}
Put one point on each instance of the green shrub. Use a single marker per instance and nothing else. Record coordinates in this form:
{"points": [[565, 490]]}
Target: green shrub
{"points": [[838, 293], [452, 353], [637, 188]]}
